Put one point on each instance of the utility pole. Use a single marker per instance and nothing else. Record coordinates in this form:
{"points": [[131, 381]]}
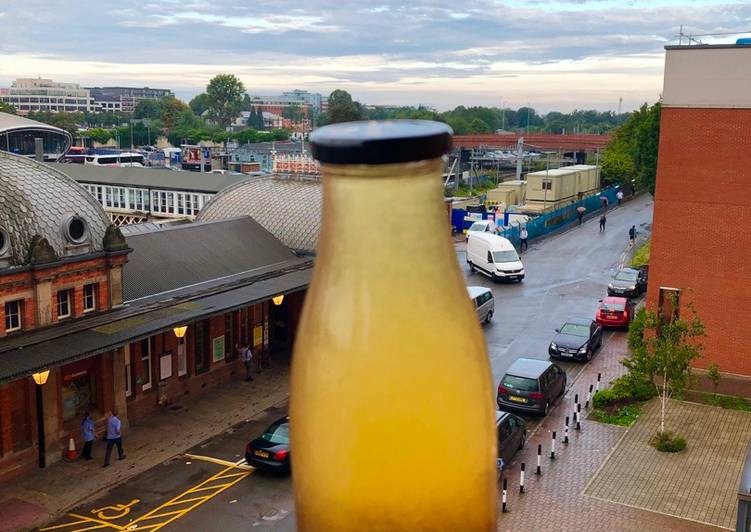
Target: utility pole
{"points": [[529, 110]]}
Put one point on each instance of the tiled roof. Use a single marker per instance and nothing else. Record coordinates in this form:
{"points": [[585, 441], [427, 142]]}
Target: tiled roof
{"points": [[38, 200], [288, 208]]}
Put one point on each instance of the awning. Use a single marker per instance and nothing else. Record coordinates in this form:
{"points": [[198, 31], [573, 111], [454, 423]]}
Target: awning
{"points": [[24, 360]]}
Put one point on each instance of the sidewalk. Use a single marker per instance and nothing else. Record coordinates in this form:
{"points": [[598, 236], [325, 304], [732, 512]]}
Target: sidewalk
{"points": [[555, 500], [38, 497]]}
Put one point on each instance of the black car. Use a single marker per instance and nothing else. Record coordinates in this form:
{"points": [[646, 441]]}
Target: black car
{"points": [[577, 339], [531, 385], [270, 451], [512, 435], [628, 282]]}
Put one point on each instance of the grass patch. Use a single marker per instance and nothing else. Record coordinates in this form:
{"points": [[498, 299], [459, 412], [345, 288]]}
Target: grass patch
{"points": [[623, 416], [667, 442], [729, 402], [641, 256]]}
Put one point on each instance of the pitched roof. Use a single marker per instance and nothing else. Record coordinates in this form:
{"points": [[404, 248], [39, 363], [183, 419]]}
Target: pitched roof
{"points": [[179, 259]]}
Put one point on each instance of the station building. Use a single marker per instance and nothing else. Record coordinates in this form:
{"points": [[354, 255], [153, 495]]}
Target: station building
{"points": [[702, 211], [18, 134], [93, 320]]}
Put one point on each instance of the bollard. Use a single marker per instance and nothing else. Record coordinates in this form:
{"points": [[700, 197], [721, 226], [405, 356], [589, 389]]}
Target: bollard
{"points": [[521, 480], [576, 399], [598, 382], [589, 396], [505, 485], [565, 432], [539, 456], [552, 447], [578, 417]]}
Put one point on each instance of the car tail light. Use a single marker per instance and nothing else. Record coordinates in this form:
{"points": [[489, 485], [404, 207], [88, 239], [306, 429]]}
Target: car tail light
{"points": [[502, 389], [535, 395], [281, 455]]}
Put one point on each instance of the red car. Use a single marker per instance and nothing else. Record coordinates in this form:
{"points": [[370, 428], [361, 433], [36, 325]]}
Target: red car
{"points": [[615, 312]]}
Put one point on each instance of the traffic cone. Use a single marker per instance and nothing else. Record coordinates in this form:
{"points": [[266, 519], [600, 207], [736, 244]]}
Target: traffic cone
{"points": [[72, 454]]}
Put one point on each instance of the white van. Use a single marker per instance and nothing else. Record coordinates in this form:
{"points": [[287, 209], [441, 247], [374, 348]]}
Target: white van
{"points": [[483, 300], [482, 226], [494, 256]]}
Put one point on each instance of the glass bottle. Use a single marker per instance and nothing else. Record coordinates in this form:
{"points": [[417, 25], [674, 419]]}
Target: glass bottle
{"points": [[392, 412]]}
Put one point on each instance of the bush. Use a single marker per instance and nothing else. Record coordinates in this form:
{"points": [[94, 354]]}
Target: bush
{"points": [[641, 256], [667, 442], [636, 388], [624, 416], [608, 396], [728, 402]]}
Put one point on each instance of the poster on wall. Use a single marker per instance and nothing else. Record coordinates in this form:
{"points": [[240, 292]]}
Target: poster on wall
{"points": [[257, 335], [219, 348]]}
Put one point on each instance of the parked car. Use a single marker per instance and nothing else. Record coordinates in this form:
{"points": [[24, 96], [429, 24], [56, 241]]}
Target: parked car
{"points": [[628, 282], [578, 338], [494, 256], [615, 312], [484, 303], [481, 226], [270, 451], [512, 435], [531, 385]]}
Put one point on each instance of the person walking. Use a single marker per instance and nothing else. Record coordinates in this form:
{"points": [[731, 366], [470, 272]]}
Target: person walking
{"points": [[619, 195], [247, 356], [580, 213], [631, 236], [603, 221], [523, 235], [87, 430], [114, 437]]}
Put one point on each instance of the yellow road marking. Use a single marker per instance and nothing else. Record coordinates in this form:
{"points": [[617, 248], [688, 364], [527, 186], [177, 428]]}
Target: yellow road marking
{"points": [[84, 519], [225, 463]]}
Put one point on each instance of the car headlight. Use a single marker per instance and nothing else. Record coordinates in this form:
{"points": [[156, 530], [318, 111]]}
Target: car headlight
{"points": [[553, 346], [583, 349], [632, 287], [610, 285]]}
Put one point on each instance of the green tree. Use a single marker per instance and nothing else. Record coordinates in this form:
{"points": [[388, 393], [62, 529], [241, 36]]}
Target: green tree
{"points": [[199, 104], [617, 165], [662, 348], [7, 108], [293, 112], [97, 134], [66, 121], [225, 98], [342, 108], [148, 109], [171, 109], [477, 125]]}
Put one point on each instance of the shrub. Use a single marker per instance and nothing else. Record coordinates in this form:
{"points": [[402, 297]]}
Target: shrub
{"points": [[634, 387], [608, 396], [667, 442], [624, 416], [728, 402]]}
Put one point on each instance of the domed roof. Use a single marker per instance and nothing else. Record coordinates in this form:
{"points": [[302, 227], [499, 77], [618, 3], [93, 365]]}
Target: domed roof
{"points": [[288, 208], [39, 201]]}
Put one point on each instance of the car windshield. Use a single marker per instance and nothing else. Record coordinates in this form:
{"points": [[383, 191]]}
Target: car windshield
{"points": [[613, 307], [478, 226], [277, 433], [575, 329], [626, 276], [520, 383], [505, 256]]}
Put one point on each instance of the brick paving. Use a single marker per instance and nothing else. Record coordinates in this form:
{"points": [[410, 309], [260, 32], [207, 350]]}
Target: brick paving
{"points": [[700, 483], [555, 500]]}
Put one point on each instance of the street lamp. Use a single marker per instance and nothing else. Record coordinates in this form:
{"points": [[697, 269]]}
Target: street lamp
{"points": [[180, 331], [40, 379], [278, 299]]}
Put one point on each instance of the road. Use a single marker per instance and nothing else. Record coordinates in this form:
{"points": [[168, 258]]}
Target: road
{"points": [[209, 489]]}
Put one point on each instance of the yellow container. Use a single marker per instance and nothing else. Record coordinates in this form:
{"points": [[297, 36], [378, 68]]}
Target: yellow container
{"points": [[391, 410]]}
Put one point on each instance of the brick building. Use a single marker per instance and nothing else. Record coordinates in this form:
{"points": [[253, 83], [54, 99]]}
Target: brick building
{"points": [[702, 213], [133, 325]]}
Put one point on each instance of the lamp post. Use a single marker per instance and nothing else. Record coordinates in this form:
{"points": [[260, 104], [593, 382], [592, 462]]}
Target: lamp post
{"points": [[278, 299], [40, 379]]}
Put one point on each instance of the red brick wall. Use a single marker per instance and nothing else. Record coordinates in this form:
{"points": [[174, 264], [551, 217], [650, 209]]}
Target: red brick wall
{"points": [[701, 238]]}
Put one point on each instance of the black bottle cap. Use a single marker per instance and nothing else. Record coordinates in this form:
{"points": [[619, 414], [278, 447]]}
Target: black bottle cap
{"points": [[380, 141]]}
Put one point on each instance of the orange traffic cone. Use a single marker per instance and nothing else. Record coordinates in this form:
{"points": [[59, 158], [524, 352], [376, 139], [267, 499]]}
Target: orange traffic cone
{"points": [[72, 453]]}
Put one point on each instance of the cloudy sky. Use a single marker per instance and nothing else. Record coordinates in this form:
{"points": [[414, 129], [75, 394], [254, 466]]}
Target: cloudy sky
{"points": [[554, 54]]}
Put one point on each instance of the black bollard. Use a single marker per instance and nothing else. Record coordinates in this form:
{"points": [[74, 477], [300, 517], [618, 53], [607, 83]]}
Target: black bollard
{"points": [[565, 432], [598, 381], [539, 456], [578, 417], [505, 485], [552, 447], [576, 399], [521, 480]]}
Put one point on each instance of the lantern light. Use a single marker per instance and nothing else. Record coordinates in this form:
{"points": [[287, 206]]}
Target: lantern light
{"points": [[278, 299], [41, 377], [180, 331]]}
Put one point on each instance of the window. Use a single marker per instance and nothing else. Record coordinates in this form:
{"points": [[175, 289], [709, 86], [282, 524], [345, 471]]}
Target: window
{"points": [[505, 256], [547, 185], [13, 315], [624, 275], [165, 366], [170, 202], [201, 350], [576, 329], [229, 334], [669, 303], [180, 204], [218, 348], [108, 196], [277, 433], [63, 304], [89, 297], [182, 359], [520, 383], [128, 373], [146, 363]]}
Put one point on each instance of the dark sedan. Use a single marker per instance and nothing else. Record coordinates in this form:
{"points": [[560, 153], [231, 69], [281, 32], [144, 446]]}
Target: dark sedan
{"points": [[578, 339], [270, 451], [628, 282]]}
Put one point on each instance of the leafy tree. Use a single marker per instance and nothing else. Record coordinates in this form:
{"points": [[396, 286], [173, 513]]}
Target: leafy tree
{"points": [[342, 108], [617, 165], [662, 350], [477, 125], [7, 108], [293, 112], [199, 104], [66, 121], [148, 109], [97, 134], [225, 98], [171, 109]]}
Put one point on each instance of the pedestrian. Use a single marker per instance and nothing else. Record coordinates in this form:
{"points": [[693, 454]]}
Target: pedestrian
{"points": [[604, 200], [114, 437], [603, 221], [523, 235], [87, 429], [580, 213], [619, 195], [631, 236], [247, 357]]}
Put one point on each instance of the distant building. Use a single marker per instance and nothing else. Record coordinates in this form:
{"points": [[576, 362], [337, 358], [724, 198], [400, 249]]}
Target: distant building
{"points": [[124, 99], [40, 94], [313, 99], [703, 176], [17, 136], [263, 153]]}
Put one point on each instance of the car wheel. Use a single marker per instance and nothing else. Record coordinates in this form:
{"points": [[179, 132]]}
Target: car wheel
{"points": [[524, 441], [488, 317], [546, 409], [589, 354]]}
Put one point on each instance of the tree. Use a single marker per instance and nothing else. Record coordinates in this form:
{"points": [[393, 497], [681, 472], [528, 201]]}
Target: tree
{"points": [[99, 135], [148, 109], [663, 347], [171, 109], [342, 108], [199, 104], [225, 98], [477, 125], [7, 108], [293, 112], [617, 165], [65, 121]]}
